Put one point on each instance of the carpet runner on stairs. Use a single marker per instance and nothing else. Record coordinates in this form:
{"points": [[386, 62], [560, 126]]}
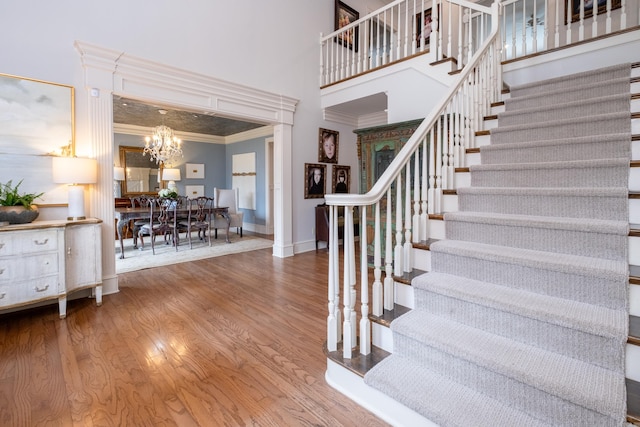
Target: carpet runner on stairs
{"points": [[523, 319]]}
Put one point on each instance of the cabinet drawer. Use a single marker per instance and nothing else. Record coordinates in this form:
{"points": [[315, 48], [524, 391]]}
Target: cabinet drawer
{"points": [[31, 291], [28, 267], [28, 242]]}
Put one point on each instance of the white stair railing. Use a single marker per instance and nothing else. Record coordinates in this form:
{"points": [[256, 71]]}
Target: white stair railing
{"points": [[435, 149], [452, 29]]}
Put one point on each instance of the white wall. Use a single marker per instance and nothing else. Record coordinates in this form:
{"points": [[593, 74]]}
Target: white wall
{"points": [[268, 45]]}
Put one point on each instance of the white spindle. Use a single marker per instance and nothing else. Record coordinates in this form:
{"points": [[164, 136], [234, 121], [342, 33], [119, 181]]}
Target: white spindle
{"points": [[365, 325], [431, 196], [332, 327], [377, 272], [351, 252], [333, 244], [388, 250], [416, 228], [424, 195], [397, 255], [347, 327], [406, 255]]}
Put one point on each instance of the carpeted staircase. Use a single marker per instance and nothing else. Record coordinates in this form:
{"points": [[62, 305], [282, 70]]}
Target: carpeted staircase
{"points": [[524, 317]]}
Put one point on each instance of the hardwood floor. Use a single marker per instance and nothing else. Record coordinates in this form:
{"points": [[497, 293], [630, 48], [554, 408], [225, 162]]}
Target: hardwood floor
{"points": [[230, 341]]}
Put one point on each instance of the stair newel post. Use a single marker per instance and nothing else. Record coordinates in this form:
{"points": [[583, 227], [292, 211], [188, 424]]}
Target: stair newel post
{"points": [[432, 162], [332, 327], [397, 256], [347, 327], [377, 308], [333, 244], [424, 216], [406, 253], [388, 247], [417, 227], [365, 323]]}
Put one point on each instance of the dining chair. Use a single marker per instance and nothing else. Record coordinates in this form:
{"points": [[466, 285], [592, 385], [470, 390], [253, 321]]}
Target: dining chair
{"points": [[139, 202], [200, 217], [162, 222], [228, 198]]}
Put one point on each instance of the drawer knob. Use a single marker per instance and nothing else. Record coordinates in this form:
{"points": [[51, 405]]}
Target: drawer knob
{"points": [[41, 242], [37, 289]]}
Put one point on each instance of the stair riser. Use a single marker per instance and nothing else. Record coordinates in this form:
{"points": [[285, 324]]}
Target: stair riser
{"points": [[586, 288], [556, 153], [574, 242], [510, 391], [551, 177], [546, 131], [516, 103], [602, 351], [584, 108], [548, 205]]}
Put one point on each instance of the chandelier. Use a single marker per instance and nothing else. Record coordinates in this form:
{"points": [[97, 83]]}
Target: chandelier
{"points": [[163, 146]]}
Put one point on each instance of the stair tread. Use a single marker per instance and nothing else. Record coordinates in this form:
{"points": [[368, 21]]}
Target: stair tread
{"points": [[592, 163], [575, 264], [407, 277], [622, 137], [589, 318], [578, 224], [562, 122], [576, 381], [445, 397], [634, 330]]}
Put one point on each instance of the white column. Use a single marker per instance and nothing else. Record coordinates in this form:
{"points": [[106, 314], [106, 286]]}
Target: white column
{"points": [[282, 191]]}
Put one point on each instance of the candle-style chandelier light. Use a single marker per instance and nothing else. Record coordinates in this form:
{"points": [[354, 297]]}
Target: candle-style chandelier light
{"points": [[163, 146]]}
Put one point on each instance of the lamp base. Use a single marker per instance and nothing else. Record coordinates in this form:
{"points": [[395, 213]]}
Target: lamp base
{"points": [[76, 203]]}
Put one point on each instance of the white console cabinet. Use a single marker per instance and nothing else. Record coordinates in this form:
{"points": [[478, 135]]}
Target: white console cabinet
{"points": [[46, 260]]}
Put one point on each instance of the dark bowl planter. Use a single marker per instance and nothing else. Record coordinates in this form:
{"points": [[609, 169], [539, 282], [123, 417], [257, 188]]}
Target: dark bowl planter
{"points": [[18, 214]]}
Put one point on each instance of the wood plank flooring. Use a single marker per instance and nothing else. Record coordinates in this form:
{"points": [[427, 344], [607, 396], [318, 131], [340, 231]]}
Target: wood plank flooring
{"points": [[230, 341]]}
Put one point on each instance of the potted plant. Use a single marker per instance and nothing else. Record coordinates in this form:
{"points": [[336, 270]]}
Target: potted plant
{"points": [[16, 208]]}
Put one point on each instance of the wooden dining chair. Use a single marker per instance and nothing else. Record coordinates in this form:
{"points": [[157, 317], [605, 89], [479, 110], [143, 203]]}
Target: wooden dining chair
{"points": [[139, 202], [162, 222], [200, 217]]}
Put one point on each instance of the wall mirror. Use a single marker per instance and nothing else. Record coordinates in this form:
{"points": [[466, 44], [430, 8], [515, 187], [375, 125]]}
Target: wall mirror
{"points": [[140, 174]]}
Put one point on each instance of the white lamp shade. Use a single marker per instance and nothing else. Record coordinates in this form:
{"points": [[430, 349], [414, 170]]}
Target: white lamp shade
{"points": [[171, 175], [74, 170], [118, 173]]}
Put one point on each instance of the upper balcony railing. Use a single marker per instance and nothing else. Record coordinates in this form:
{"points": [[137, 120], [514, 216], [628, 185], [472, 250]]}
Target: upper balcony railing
{"points": [[453, 30]]}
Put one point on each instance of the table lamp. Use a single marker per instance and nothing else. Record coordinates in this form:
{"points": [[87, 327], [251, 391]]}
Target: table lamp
{"points": [[171, 175], [75, 171], [118, 175]]}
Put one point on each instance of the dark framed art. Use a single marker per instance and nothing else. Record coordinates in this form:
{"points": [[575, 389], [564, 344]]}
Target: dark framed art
{"points": [[341, 179], [424, 23], [328, 146], [315, 180], [345, 15], [588, 8]]}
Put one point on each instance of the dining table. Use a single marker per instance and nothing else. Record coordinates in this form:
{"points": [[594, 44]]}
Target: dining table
{"points": [[124, 215]]}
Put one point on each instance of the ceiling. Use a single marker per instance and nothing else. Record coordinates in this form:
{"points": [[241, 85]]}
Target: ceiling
{"points": [[128, 111], [131, 112]]}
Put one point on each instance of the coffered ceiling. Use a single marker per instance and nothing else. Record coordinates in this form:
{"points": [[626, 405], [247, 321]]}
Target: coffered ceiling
{"points": [[131, 112]]}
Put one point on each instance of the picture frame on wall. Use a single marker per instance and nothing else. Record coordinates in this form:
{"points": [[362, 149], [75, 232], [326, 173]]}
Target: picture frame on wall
{"points": [[345, 15], [193, 191], [315, 180], [588, 8], [424, 28], [341, 179], [328, 141], [195, 170]]}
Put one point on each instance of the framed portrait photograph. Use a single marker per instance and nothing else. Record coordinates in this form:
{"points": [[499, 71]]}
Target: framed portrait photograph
{"points": [[315, 180], [424, 24], [328, 146], [345, 15], [588, 8], [341, 179]]}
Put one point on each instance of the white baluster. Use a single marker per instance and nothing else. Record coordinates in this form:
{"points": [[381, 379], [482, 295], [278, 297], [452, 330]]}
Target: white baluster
{"points": [[406, 256], [397, 255], [377, 272], [365, 324], [347, 327], [388, 280], [332, 327], [417, 230], [433, 161], [336, 271], [348, 228], [424, 214]]}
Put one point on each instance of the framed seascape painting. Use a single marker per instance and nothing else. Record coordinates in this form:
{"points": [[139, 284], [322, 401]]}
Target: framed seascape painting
{"points": [[36, 117], [328, 146], [315, 179], [345, 15], [341, 179]]}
